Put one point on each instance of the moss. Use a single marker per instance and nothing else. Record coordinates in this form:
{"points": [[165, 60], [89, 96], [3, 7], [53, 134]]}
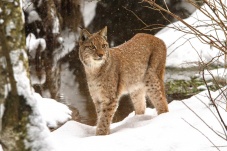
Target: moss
{"points": [[15, 123], [181, 69], [185, 88], [16, 114]]}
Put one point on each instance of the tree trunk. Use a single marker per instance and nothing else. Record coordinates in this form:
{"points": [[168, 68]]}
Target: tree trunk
{"points": [[55, 16], [13, 59]]}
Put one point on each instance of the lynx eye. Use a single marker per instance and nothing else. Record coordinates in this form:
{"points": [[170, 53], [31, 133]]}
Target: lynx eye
{"points": [[91, 47], [104, 45]]}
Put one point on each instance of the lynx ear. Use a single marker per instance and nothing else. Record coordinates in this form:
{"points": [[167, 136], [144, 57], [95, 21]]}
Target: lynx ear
{"points": [[103, 32], [84, 34]]}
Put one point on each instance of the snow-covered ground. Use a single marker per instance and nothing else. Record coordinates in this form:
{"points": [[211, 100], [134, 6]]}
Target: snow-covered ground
{"points": [[179, 130], [53, 112], [191, 124], [215, 73]]}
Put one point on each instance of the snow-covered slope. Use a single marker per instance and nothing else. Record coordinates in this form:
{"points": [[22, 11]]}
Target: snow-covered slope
{"points": [[185, 49], [178, 130]]}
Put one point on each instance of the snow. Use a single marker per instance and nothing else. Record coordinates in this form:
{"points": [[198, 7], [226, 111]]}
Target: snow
{"points": [[27, 6], [178, 130], [7, 87], [60, 40], [1, 21], [67, 39], [10, 26], [171, 131], [186, 50], [2, 109], [40, 3], [52, 112], [88, 11], [189, 125], [32, 44], [184, 4], [56, 24], [202, 87], [15, 3], [37, 80], [46, 112], [33, 16], [215, 73], [69, 87], [38, 133]]}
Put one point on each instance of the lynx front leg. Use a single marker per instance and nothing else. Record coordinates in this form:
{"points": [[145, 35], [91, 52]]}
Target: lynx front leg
{"points": [[97, 108], [105, 113]]}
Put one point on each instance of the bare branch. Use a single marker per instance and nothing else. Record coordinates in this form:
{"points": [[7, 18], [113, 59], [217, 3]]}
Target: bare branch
{"points": [[204, 122], [223, 122], [208, 39], [201, 133], [135, 15], [214, 116]]}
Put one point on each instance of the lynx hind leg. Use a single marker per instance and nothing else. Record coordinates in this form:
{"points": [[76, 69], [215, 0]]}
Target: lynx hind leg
{"points": [[105, 113], [139, 100], [156, 92]]}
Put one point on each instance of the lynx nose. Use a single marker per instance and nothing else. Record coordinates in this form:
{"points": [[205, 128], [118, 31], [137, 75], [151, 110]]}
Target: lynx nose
{"points": [[100, 55]]}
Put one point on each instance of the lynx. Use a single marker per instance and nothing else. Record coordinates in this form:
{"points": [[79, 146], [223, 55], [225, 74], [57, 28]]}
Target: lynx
{"points": [[136, 68]]}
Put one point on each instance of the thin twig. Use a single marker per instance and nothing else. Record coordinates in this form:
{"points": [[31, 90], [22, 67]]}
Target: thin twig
{"points": [[205, 38], [203, 121], [213, 115], [135, 15], [201, 133], [223, 122]]}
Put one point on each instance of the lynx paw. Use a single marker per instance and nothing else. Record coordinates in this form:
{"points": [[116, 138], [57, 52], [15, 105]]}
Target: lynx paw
{"points": [[103, 131]]}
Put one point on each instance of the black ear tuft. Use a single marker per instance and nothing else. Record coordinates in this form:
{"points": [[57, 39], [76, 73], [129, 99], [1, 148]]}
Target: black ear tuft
{"points": [[84, 34], [83, 38], [103, 32]]}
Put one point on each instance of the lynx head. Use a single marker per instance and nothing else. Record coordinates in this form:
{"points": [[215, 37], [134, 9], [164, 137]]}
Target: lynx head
{"points": [[93, 48]]}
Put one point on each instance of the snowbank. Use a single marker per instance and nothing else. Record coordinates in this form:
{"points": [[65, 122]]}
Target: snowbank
{"points": [[220, 73], [88, 11], [53, 112], [178, 130], [185, 49], [37, 132]]}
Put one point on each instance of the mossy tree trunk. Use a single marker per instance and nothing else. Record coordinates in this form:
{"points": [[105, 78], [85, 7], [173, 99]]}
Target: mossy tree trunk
{"points": [[16, 114]]}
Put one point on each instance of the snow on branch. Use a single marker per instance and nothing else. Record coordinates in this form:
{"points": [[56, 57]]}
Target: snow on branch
{"points": [[33, 44]]}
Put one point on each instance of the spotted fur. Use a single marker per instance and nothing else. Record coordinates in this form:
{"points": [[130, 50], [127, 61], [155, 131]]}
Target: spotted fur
{"points": [[136, 67]]}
